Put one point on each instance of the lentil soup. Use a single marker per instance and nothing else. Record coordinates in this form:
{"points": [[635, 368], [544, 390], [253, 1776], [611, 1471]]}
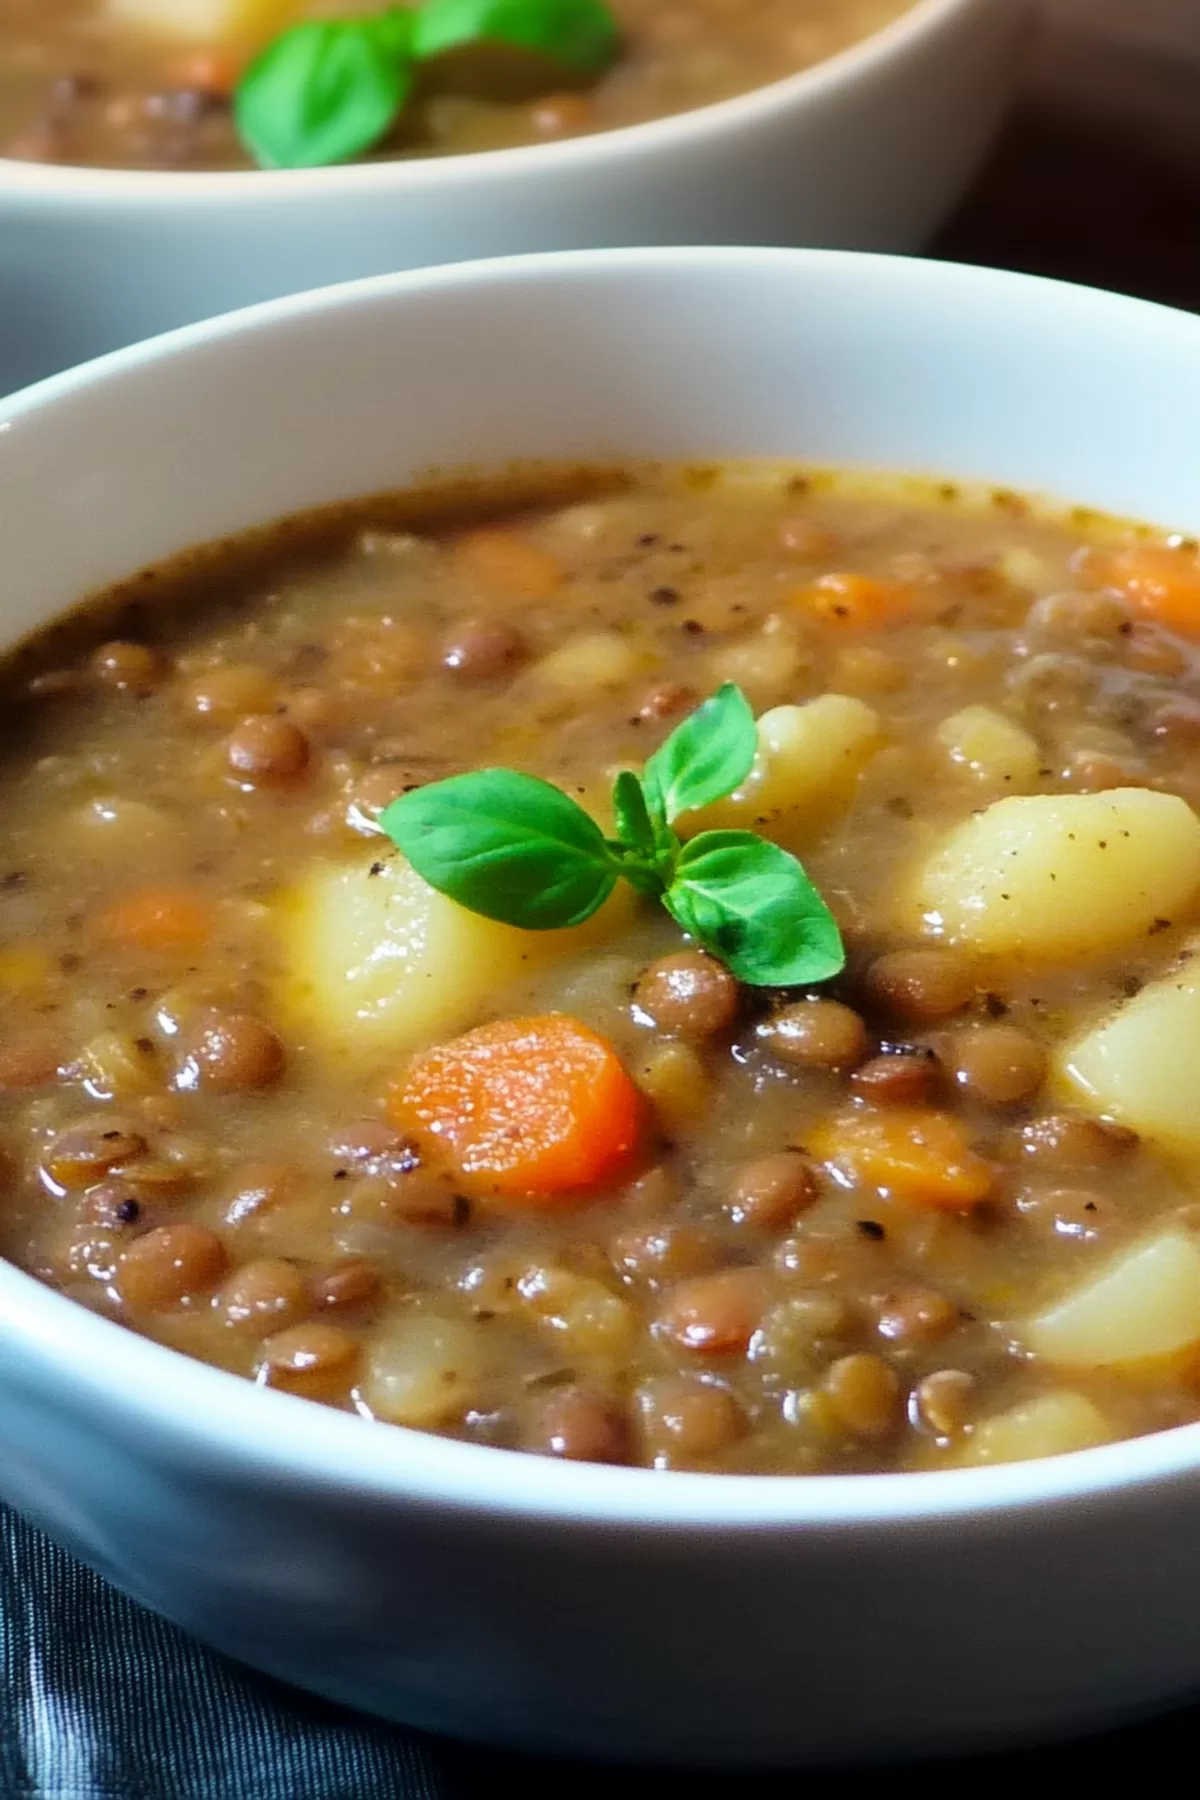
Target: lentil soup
{"points": [[269, 1098], [129, 84]]}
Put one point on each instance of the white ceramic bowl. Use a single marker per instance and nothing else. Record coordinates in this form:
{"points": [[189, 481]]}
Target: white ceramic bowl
{"points": [[868, 150], [605, 1611]]}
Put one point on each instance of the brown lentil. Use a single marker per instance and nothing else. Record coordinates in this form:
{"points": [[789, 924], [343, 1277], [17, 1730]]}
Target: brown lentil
{"points": [[315, 1359], [713, 1315], [998, 1064], [129, 668], [908, 1077], [688, 995], [664, 1253], [915, 1316], [864, 1392], [920, 985], [267, 749], [83, 1153], [168, 1265], [1061, 1141], [771, 1192], [265, 1295], [347, 1284], [579, 1427], [943, 1401], [816, 1034], [685, 1421], [228, 1052], [483, 650], [232, 692]]}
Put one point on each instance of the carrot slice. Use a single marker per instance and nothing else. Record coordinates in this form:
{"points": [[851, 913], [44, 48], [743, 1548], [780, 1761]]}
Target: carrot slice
{"points": [[510, 564], [533, 1108], [206, 71], [1161, 580], [166, 919], [855, 602], [916, 1155]]}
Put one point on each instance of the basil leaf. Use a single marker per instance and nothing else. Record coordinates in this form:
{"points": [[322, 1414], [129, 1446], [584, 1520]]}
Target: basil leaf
{"points": [[752, 905], [326, 91], [634, 826], [505, 845], [582, 35], [706, 757]]}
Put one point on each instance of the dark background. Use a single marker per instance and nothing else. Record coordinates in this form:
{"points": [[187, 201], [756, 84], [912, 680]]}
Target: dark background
{"points": [[1097, 178]]}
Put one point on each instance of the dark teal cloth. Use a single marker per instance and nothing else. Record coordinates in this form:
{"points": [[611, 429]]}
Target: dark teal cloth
{"points": [[100, 1700]]}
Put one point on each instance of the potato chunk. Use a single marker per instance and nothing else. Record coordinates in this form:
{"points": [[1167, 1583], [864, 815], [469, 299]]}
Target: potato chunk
{"points": [[1052, 1425], [1139, 1066], [992, 749], [422, 1369], [380, 962], [1060, 876], [590, 661], [117, 832], [209, 22], [809, 760], [1143, 1306]]}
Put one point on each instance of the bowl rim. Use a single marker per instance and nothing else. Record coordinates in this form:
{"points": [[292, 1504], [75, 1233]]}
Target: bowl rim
{"points": [[922, 22], [186, 1408]]}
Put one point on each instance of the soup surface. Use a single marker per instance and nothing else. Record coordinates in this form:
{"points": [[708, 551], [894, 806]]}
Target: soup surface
{"points": [[97, 82], [939, 1210]]}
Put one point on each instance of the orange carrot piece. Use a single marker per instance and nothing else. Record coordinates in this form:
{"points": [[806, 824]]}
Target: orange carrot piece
{"points": [[855, 602], [532, 1108], [915, 1155], [171, 920], [510, 564], [1160, 580], [206, 71]]}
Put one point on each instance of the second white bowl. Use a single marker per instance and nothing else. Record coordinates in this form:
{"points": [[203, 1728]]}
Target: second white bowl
{"points": [[868, 151]]}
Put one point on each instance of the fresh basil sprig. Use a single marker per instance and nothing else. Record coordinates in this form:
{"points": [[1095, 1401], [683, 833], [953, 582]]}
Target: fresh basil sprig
{"points": [[704, 759], [519, 850], [328, 90], [580, 35]]}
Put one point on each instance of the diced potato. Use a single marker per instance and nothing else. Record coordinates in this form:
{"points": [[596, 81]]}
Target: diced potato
{"points": [[1051, 1425], [991, 748], [422, 1369], [1060, 876], [1026, 569], [380, 962], [588, 1317], [808, 763], [677, 1084], [594, 659], [1139, 1066], [121, 831], [112, 1066], [26, 968], [765, 666], [208, 22], [1144, 1305]]}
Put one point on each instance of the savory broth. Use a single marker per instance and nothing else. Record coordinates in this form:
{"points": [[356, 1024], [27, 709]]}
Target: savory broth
{"points": [[80, 82], [839, 1227]]}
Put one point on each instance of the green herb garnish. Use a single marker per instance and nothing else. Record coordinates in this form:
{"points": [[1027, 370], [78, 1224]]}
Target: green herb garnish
{"points": [[580, 35], [521, 851], [330, 89], [326, 91]]}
